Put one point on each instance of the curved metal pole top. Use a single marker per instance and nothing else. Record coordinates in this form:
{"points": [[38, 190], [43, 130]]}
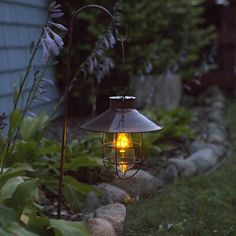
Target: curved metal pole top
{"points": [[105, 11], [121, 39]]}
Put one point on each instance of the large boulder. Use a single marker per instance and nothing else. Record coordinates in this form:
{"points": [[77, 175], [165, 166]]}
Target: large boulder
{"points": [[204, 159], [101, 227], [184, 167], [112, 194], [113, 213], [141, 184]]}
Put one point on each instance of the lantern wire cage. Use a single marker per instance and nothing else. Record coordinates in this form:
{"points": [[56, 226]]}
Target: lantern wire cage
{"points": [[120, 160]]}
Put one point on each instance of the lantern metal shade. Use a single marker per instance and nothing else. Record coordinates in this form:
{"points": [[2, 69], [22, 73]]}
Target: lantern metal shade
{"points": [[121, 117], [122, 121]]}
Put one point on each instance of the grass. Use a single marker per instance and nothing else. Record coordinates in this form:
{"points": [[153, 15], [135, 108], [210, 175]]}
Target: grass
{"points": [[197, 206]]}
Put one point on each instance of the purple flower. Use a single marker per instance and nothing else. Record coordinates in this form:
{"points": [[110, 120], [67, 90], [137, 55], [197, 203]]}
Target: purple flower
{"points": [[48, 81], [32, 114], [58, 26], [56, 38], [50, 47], [197, 82], [55, 11], [57, 15], [44, 99], [52, 5], [51, 41]]}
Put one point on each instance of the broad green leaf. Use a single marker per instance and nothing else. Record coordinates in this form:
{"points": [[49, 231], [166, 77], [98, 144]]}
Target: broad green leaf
{"points": [[74, 191], [10, 187], [26, 151], [49, 147], [23, 195], [40, 225], [51, 184], [10, 225], [31, 127], [14, 172], [66, 228], [82, 162]]}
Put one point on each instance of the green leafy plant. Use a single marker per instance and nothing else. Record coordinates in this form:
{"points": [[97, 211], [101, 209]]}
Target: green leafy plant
{"points": [[43, 155], [33, 167], [176, 128], [11, 224], [166, 35]]}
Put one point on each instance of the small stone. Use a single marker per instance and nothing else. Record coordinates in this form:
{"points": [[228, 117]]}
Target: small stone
{"points": [[141, 184], [113, 193], [101, 227], [184, 167], [204, 159], [169, 174], [113, 213]]}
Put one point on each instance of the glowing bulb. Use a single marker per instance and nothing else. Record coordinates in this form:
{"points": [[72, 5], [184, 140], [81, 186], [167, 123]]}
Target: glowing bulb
{"points": [[123, 142]]}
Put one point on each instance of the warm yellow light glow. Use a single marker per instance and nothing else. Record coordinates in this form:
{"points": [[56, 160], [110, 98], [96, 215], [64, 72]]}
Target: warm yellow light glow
{"points": [[122, 141]]}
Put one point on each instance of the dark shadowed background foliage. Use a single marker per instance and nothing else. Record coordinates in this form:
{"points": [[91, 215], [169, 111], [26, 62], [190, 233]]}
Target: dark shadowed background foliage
{"points": [[163, 35]]}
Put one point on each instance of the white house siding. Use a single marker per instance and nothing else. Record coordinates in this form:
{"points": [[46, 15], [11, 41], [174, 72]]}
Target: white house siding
{"points": [[20, 24]]}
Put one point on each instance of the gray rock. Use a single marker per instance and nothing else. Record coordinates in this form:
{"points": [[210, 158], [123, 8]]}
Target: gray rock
{"points": [[101, 227], [218, 105], [219, 150], [141, 184], [91, 203], [184, 167], [216, 138], [195, 146], [214, 92], [113, 213], [113, 193], [214, 127], [216, 116], [169, 174], [204, 159], [216, 133]]}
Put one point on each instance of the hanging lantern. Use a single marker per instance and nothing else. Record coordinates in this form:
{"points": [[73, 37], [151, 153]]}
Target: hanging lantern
{"points": [[122, 127]]}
